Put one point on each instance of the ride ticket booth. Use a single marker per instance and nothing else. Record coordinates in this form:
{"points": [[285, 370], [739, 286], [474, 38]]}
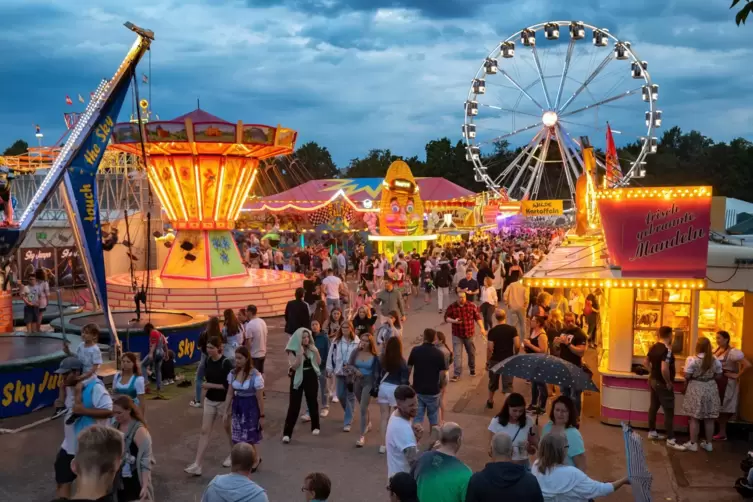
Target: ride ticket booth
{"points": [[653, 264]]}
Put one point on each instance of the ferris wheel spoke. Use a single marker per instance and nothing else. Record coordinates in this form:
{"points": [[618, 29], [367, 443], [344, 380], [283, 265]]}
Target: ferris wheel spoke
{"points": [[596, 128], [590, 79], [571, 152], [602, 102], [513, 133], [565, 165], [525, 167], [509, 169], [511, 110], [568, 58], [521, 89], [541, 76], [535, 180]]}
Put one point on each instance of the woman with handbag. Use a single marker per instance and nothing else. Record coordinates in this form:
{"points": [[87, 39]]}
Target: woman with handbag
{"points": [[734, 364], [134, 480], [342, 347], [701, 403], [365, 370]]}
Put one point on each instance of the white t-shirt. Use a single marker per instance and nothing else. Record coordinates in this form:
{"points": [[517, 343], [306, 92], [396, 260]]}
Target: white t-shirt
{"points": [[43, 294], [399, 437], [332, 287], [518, 434], [256, 332], [101, 400], [89, 356]]}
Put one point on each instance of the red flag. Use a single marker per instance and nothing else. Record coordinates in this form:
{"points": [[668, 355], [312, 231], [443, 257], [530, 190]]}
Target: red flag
{"points": [[68, 100], [91, 95], [614, 173]]}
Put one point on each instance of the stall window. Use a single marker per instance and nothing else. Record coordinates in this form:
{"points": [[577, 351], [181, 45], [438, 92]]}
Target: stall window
{"points": [[661, 307], [721, 311]]}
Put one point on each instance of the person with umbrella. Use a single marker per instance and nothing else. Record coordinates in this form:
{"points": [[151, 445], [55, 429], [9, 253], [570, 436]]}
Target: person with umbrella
{"points": [[537, 343]]}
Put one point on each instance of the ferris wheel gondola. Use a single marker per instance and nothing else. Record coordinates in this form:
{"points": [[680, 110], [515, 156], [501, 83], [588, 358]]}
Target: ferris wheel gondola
{"points": [[540, 90]]}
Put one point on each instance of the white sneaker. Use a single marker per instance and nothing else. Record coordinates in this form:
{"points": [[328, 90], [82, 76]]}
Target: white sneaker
{"points": [[346, 428], [671, 443], [227, 462], [286, 439], [361, 441], [195, 404], [691, 446], [324, 412], [335, 400], [306, 417], [193, 469], [706, 445], [655, 436], [382, 449], [315, 432]]}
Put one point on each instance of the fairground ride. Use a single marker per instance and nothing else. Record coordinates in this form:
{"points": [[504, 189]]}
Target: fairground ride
{"points": [[544, 87], [75, 167]]}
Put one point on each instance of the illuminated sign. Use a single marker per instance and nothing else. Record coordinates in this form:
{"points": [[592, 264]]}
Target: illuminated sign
{"points": [[531, 208], [659, 233]]}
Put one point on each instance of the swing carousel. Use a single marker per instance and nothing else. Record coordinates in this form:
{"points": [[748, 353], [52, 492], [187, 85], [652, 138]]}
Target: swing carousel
{"points": [[201, 169]]}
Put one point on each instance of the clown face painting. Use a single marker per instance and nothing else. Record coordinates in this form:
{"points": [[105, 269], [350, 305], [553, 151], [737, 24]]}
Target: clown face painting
{"points": [[401, 209]]}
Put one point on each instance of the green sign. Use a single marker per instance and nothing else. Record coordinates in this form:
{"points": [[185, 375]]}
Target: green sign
{"points": [[41, 236]]}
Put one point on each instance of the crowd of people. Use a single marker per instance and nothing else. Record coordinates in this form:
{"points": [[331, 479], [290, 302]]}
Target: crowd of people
{"points": [[345, 345]]}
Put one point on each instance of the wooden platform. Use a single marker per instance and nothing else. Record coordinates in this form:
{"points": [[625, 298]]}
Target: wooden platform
{"points": [[269, 290]]}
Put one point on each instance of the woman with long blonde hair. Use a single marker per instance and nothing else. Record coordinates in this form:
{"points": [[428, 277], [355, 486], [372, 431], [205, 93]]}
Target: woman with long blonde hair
{"points": [[365, 364], [701, 403]]}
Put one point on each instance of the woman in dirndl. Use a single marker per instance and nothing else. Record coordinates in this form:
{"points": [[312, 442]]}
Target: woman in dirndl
{"points": [[701, 403], [244, 386], [734, 364]]}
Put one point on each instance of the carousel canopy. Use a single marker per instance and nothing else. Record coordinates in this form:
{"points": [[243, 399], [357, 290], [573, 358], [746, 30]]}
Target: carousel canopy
{"points": [[362, 192]]}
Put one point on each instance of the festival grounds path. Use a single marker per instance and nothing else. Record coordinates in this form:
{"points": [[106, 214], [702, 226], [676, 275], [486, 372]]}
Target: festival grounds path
{"points": [[26, 459]]}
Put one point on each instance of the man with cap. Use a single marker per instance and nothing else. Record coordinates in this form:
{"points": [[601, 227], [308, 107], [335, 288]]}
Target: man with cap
{"points": [[402, 488], [94, 407]]}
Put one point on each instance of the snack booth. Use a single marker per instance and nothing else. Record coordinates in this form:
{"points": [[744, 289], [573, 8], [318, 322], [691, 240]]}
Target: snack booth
{"points": [[654, 262]]}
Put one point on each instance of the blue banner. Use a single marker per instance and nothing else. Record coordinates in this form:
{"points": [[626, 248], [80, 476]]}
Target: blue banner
{"points": [[81, 187], [29, 387]]}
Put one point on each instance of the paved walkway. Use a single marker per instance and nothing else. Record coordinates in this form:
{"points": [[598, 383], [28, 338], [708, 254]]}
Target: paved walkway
{"points": [[357, 474]]}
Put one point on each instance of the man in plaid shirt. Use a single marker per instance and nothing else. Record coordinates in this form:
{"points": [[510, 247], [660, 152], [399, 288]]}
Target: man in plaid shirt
{"points": [[462, 315]]}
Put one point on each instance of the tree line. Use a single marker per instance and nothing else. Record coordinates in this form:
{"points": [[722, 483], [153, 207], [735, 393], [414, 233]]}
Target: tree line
{"points": [[682, 158]]}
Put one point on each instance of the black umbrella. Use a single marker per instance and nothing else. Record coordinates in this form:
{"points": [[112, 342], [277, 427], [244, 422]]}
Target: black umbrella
{"points": [[544, 368]]}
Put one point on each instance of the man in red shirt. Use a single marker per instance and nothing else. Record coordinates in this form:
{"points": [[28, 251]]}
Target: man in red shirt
{"points": [[414, 269], [462, 315]]}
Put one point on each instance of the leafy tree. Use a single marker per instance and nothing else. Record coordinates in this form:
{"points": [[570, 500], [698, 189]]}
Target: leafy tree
{"points": [[18, 148], [742, 14], [374, 165], [316, 161]]}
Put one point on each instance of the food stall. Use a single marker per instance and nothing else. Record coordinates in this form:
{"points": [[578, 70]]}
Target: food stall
{"points": [[655, 264]]}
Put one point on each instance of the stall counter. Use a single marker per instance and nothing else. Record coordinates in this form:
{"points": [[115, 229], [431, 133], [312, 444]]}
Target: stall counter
{"points": [[625, 397]]}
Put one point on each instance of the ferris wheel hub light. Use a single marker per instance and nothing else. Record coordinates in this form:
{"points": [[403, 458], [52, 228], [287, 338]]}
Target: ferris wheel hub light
{"points": [[549, 118]]}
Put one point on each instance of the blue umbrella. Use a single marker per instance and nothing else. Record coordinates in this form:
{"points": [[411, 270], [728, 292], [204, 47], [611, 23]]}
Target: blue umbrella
{"points": [[545, 368]]}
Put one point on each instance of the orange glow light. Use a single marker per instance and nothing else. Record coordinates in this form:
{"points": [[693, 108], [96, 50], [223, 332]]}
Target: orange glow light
{"points": [[176, 185], [198, 192], [218, 198], [161, 195], [244, 194]]}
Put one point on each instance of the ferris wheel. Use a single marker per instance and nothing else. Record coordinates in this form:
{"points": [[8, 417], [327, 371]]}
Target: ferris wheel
{"points": [[538, 92]]}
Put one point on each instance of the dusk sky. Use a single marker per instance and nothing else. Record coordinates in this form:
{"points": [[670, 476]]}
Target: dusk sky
{"points": [[354, 75]]}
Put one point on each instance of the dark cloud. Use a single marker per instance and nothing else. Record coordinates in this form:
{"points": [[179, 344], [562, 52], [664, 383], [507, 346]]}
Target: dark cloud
{"points": [[436, 9]]}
